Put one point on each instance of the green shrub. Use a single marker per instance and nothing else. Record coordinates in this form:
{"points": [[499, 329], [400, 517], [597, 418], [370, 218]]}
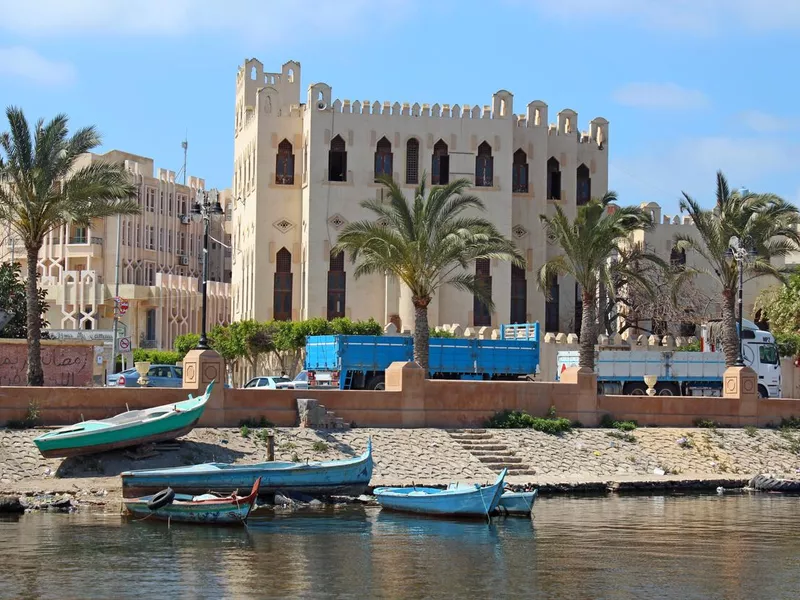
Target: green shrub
{"points": [[320, 446], [790, 423], [788, 344], [156, 357], [31, 419], [245, 431], [706, 423], [256, 423], [750, 430], [608, 422], [621, 435], [441, 334], [513, 419], [693, 347]]}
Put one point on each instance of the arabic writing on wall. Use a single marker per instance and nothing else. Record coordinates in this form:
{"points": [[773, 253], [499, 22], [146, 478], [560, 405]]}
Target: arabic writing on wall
{"points": [[63, 365]]}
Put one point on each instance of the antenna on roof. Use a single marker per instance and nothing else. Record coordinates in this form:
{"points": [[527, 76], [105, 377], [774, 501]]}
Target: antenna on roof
{"points": [[185, 146]]}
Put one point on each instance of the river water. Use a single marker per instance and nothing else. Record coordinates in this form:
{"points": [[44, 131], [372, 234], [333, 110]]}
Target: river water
{"points": [[730, 546]]}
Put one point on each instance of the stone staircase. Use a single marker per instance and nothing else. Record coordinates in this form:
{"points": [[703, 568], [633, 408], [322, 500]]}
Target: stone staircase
{"points": [[315, 416], [493, 454]]}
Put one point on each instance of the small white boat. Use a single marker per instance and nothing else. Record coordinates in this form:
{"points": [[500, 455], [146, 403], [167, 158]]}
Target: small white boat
{"points": [[511, 503]]}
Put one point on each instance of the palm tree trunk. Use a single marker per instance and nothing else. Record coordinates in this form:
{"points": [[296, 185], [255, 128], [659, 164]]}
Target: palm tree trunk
{"points": [[421, 332], [588, 332], [35, 373], [730, 339]]}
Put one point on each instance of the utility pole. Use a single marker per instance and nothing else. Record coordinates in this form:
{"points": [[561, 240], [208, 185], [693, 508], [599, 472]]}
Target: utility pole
{"points": [[116, 297]]}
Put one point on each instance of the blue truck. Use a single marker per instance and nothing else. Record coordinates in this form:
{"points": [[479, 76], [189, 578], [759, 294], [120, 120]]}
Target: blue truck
{"points": [[359, 362]]}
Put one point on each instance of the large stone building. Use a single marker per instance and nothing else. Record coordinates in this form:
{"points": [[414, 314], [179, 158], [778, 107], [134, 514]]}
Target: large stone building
{"points": [[303, 164], [159, 262]]}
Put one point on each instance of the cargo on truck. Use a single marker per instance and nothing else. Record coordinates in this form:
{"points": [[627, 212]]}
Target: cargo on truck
{"points": [[360, 361]]}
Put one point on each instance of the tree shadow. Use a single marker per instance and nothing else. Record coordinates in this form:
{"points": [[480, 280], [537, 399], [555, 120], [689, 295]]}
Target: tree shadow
{"points": [[108, 464]]}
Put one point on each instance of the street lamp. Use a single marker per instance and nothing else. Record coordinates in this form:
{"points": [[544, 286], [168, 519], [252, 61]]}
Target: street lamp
{"points": [[740, 256], [206, 207]]}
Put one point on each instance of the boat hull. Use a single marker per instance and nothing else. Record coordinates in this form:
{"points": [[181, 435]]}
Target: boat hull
{"points": [[217, 513], [338, 477], [463, 502], [517, 503]]}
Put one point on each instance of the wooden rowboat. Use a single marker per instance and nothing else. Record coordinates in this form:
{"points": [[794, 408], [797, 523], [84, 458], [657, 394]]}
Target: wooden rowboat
{"points": [[511, 503], [467, 501], [349, 476], [130, 428], [207, 508]]}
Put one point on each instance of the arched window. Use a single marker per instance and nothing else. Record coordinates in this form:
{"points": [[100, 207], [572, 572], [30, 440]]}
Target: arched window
{"points": [[519, 295], [383, 158], [551, 316], [440, 164], [337, 160], [284, 164], [337, 286], [484, 171], [519, 174], [584, 187], [553, 179], [481, 315], [412, 161], [282, 294]]}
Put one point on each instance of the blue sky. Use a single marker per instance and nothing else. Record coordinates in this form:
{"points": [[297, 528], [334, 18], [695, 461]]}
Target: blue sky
{"points": [[689, 86]]}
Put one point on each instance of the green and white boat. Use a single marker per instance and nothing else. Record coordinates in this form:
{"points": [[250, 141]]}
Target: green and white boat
{"points": [[130, 428]]}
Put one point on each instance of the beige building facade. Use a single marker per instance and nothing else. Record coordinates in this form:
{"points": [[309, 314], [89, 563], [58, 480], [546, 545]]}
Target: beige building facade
{"points": [[304, 160], [160, 262]]}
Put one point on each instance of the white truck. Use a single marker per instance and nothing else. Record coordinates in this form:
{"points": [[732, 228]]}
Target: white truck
{"points": [[682, 373]]}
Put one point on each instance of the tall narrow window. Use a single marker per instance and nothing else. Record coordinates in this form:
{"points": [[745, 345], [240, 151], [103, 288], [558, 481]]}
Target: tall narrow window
{"points": [[584, 185], [519, 174], [337, 160], [282, 295], [551, 316], [553, 179], [578, 309], [677, 259], [150, 325], [284, 164], [484, 166], [519, 295], [383, 158], [481, 315], [412, 161], [337, 286], [440, 165]]}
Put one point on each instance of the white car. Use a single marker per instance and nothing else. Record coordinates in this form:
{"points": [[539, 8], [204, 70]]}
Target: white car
{"points": [[300, 382], [270, 383]]}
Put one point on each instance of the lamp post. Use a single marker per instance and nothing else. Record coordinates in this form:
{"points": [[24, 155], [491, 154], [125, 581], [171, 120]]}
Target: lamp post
{"points": [[206, 207], [739, 255]]}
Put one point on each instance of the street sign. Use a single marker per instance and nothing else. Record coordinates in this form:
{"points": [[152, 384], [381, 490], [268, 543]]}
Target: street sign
{"points": [[122, 305], [124, 345]]}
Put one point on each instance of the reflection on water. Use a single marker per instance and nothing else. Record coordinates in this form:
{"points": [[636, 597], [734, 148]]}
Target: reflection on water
{"points": [[732, 546]]}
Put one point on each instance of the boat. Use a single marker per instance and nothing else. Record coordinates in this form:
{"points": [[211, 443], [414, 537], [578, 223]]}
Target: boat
{"points": [[131, 428], [517, 503], [511, 503], [206, 508], [467, 501], [349, 476]]}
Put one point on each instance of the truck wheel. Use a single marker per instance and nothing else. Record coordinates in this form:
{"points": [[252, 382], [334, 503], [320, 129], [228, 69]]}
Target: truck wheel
{"points": [[377, 383], [634, 389], [667, 389], [762, 392]]}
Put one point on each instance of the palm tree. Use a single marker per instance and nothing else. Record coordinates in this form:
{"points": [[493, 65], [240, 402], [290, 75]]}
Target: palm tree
{"points": [[41, 190], [589, 243], [766, 226], [426, 243]]}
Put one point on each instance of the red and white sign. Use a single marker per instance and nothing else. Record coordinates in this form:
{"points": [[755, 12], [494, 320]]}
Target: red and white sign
{"points": [[124, 345], [122, 305]]}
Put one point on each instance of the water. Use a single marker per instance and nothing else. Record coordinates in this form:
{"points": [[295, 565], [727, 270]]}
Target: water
{"points": [[731, 546]]}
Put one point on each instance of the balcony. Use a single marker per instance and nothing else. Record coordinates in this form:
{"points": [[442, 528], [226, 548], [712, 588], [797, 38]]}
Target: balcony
{"points": [[81, 245], [148, 343]]}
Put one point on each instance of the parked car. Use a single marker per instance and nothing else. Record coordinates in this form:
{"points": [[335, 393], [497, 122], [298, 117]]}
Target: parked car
{"points": [[300, 382], [269, 382], [160, 376]]}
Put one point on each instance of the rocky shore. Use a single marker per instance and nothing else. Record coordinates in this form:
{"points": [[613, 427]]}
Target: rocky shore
{"points": [[584, 460]]}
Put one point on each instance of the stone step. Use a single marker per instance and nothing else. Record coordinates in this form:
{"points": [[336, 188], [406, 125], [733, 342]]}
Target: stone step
{"points": [[499, 466], [471, 436], [497, 453], [495, 459], [467, 431], [485, 447], [521, 472]]}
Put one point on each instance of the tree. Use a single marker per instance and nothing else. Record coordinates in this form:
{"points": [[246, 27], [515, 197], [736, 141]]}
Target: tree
{"points": [[426, 243], [588, 244], [14, 304], [40, 190], [766, 226], [186, 342]]}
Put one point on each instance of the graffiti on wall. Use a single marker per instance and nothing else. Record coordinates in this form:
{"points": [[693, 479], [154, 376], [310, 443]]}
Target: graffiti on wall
{"points": [[63, 365]]}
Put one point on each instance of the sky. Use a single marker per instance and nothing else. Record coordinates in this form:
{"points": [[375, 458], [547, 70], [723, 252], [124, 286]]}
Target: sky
{"points": [[689, 86]]}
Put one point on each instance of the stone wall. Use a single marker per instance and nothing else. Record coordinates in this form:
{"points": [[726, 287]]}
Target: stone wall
{"points": [[64, 364]]}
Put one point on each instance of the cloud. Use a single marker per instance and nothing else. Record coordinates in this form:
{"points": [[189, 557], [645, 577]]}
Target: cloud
{"points": [[270, 20], [660, 96], [762, 122], [690, 164], [701, 17], [25, 63]]}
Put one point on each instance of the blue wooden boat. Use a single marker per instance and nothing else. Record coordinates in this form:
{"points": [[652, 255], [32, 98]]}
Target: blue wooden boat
{"points": [[467, 501], [511, 503], [207, 508], [131, 428], [334, 477]]}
